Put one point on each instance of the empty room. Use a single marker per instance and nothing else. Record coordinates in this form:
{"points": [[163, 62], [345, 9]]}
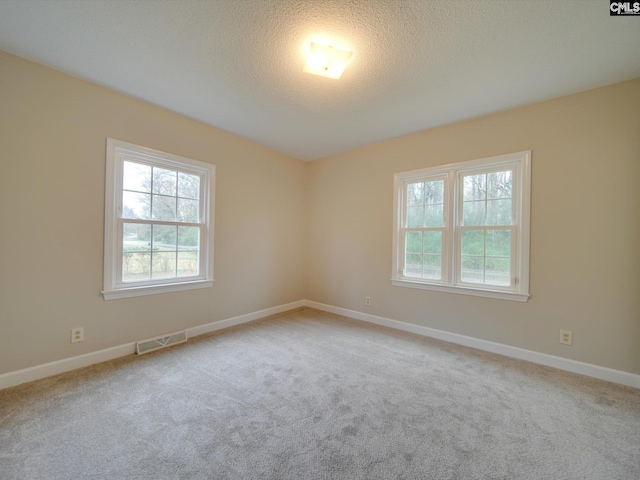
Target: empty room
{"points": [[319, 239]]}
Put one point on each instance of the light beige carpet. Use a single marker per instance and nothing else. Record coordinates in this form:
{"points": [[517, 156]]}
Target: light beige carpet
{"points": [[310, 395]]}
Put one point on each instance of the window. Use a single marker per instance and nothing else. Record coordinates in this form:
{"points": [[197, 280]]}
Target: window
{"points": [[464, 228], [158, 222]]}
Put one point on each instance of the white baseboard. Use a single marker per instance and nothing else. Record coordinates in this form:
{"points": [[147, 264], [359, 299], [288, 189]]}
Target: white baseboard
{"points": [[37, 372], [248, 317], [603, 373], [67, 364]]}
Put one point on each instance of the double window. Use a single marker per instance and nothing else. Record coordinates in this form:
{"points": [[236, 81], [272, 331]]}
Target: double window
{"points": [[464, 227], [158, 212]]}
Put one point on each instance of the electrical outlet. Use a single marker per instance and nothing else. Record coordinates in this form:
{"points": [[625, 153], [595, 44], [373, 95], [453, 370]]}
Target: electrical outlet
{"points": [[77, 334], [566, 337], [367, 300]]}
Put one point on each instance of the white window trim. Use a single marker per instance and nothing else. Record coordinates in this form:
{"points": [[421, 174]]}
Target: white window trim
{"points": [[117, 151], [522, 185]]}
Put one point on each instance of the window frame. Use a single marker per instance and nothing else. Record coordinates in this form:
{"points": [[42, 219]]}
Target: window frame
{"points": [[445, 253], [117, 152], [520, 163]]}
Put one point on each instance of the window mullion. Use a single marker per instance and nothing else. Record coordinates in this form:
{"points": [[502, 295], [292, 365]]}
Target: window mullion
{"points": [[203, 259], [151, 195], [405, 197], [424, 229], [484, 249], [515, 260], [451, 224], [161, 222], [117, 260], [401, 254]]}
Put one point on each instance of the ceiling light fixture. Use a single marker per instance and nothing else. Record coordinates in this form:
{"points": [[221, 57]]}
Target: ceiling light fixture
{"points": [[326, 61]]}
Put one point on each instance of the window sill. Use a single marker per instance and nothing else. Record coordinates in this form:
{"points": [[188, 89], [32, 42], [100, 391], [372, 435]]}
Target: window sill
{"points": [[502, 295], [155, 289]]}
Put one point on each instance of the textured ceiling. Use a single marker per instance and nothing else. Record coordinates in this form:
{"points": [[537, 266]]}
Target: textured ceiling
{"points": [[237, 64]]}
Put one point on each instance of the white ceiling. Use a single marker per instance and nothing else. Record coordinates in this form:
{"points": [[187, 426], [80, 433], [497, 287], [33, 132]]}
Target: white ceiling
{"points": [[237, 64]]}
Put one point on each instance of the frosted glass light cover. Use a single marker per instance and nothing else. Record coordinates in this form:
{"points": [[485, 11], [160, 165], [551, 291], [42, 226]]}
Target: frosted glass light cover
{"points": [[326, 61]]}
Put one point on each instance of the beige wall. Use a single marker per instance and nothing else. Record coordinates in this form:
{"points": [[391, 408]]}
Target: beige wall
{"points": [[585, 231], [288, 230], [52, 162]]}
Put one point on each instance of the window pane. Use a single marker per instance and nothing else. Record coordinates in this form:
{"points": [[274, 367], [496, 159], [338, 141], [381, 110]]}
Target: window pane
{"points": [[413, 242], [472, 270], [432, 268], [434, 216], [415, 194], [432, 242], [473, 242], [164, 181], [473, 213], [499, 212], [164, 265], [188, 186], [498, 243], [434, 192], [413, 265], [499, 184], [188, 238], [135, 266], [424, 266], [136, 238], [136, 205], [415, 217], [164, 238], [413, 270], [414, 259], [486, 257], [136, 177], [188, 264], [498, 272], [474, 187], [164, 208], [188, 210]]}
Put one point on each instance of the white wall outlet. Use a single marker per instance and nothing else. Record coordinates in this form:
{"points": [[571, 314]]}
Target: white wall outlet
{"points": [[367, 300], [566, 337], [77, 335]]}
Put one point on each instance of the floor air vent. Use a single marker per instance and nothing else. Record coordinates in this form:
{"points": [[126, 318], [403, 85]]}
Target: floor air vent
{"points": [[151, 344]]}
